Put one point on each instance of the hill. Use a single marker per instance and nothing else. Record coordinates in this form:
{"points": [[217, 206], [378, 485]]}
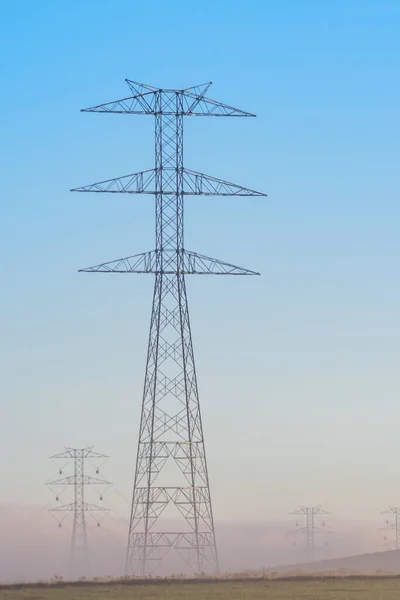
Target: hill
{"points": [[365, 564]]}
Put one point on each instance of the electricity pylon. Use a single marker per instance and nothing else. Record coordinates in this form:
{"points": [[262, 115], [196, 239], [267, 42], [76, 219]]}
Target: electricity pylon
{"points": [[393, 526], [310, 528], [79, 552], [171, 428]]}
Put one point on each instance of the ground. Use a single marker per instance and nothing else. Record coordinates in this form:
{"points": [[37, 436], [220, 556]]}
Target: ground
{"points": [[338, 589]]}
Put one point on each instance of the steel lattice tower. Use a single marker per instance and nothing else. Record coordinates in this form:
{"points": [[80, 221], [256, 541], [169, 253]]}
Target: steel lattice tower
{"points": [[171, 428], [79, 553], [393, 510], [310, 529]]}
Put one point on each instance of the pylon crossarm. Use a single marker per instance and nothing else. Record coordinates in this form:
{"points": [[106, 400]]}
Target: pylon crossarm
{"points": [[138, 263], [136, 183], [85, 507], [145, 102], [194, 184], [192, 264], [303, 510], [86, 480], [198, 264], [83, 453], [140, 104], [205, 107], [199, 184], [64, 508], [391, 510]]}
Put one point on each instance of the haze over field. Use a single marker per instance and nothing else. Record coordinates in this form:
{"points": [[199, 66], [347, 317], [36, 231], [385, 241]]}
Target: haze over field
{"points": [[34, 547]]}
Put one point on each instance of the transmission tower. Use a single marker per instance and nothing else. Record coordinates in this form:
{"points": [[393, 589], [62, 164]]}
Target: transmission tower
{"points": [[79, 554], [394, 526], [171, 429], [310, 528]]}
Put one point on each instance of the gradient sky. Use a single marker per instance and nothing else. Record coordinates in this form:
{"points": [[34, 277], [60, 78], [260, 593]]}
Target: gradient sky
{"points": [[298, 369]]}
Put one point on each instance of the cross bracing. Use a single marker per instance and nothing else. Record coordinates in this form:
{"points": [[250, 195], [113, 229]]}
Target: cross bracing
{"points": [[171, 429]]}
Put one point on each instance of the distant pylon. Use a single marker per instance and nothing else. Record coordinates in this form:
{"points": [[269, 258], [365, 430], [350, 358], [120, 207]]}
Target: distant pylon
{"points": [[171, 465], [310, 528], [79, 552], [393, 510]]}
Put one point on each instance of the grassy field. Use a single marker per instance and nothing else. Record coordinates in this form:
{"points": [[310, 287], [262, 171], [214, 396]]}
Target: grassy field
{"points": [[339, 589]]}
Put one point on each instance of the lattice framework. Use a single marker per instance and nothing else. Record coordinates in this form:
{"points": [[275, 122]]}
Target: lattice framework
{"points": [[171, 426]]}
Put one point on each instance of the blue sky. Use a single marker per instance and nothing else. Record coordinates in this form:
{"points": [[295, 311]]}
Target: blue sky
{"points": [[298, 369]]}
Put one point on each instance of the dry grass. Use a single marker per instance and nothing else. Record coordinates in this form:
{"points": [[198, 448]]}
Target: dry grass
{"points": [[338, 588]]}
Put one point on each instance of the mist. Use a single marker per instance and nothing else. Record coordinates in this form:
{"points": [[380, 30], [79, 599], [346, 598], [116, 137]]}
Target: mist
{"points": [[34, 547]]}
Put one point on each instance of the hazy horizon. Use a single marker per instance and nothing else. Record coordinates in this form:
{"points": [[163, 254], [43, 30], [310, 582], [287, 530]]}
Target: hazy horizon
{"points": [[34, 547]]}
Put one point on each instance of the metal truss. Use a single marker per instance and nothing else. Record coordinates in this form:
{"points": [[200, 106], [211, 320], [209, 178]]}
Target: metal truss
{"points": [[310, 529], [191, 263], [395, 526], [194, 184], [192, 103], [79, 552], [171, 430]]}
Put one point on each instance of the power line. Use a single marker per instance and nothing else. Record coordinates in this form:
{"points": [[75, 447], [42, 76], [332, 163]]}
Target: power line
{"points": [[171, 429]]}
